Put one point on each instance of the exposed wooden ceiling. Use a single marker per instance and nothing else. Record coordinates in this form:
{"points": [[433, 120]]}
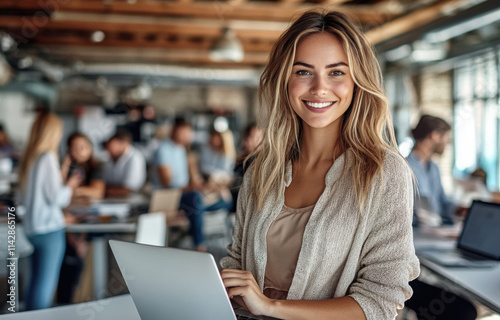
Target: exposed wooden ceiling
{"points": [[182, 31]]}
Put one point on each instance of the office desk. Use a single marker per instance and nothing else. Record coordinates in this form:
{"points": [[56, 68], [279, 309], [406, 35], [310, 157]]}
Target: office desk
{"points": [[100, 249], [119, 307], [480, 284], [100, 229]]}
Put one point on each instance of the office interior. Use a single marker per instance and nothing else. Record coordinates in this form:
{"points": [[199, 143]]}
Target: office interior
{"points": [[140, 65]]}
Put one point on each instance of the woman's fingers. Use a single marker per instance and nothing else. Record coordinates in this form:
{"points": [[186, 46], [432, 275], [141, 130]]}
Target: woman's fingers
{"points": [[228, 273], [242, 287]]}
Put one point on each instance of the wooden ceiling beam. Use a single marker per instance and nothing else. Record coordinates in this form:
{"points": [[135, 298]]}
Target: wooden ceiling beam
{"points": [[28, 28], [141, 41], [138, 55], [227, 10], [412, 20]]}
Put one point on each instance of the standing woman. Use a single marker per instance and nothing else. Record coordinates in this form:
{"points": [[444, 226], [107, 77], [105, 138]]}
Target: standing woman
{"points": [[323, 224], [44, 196]]}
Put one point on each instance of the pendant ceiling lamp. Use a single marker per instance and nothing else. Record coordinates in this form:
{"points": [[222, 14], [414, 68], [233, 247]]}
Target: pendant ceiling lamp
{"points": [[227, 47]]}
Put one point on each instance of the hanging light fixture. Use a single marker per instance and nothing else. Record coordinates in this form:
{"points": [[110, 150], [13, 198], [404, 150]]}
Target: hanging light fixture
{"points": [[227, 47]]}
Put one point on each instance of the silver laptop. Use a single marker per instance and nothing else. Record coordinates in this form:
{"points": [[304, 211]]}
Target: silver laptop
{"points": [[167, 283], [165, 200], [478, 242]]}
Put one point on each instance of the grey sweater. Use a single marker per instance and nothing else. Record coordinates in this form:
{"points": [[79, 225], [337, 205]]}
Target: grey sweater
{"points": [[45, 196], [367, 255]]}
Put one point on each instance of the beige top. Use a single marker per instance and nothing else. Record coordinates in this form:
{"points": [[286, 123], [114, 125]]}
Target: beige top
{"points": [[364, 254], [284, 240]]}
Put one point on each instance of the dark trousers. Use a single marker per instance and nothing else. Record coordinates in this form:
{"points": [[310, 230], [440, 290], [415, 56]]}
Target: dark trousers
{"points": [[433, 303], [192, 203], [69, 277]]}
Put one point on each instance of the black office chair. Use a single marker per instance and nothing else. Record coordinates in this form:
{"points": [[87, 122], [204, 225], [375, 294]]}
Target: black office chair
{"points": [[430, 302]]}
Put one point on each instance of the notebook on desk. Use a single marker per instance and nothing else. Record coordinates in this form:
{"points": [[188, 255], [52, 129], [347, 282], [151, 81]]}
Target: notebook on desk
{"points": [[478, 245], [167, 283]]}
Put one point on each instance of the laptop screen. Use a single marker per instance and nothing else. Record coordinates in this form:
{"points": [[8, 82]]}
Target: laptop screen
{"points": [[481, 231]]}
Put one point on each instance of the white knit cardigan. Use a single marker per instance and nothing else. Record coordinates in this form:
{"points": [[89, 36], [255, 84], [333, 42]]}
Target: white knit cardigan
{"points": [[367, 255]]}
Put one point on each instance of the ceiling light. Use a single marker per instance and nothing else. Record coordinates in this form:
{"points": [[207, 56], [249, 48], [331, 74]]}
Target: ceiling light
{"points": [[398, 53], [97, 36], [7, 43], [425, 52], [25, 62], [227, 48]]}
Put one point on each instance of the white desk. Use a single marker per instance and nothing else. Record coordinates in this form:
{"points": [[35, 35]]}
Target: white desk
{"points": [[100, 249], [99, 243], [480, 284], [119, 307]]}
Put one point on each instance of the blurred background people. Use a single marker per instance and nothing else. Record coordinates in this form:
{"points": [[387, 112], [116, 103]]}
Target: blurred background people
{"points": [[8, 155], [174, 166], [79, 159], [6, 148], [44, 195], [125, 171], [431, 135], [472, 188], [252, 136], [219, 155], [170, 161]]}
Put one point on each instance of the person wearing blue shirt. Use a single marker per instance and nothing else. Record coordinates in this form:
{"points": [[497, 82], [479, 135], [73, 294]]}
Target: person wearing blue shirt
{"points": [[431, 135], [170, 160], [172, 168]]}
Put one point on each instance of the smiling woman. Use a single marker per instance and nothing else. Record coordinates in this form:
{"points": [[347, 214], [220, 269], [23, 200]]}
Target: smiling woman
{"points": [[320, 93], [327, 192]]}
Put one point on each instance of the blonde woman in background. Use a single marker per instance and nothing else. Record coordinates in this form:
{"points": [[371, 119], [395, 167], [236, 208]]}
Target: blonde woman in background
{"points": [[219, 155], [44, 195], [323, 223]]}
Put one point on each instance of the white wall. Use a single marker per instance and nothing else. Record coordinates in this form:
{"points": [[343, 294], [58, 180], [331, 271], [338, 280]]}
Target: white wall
{"points": [[16, 114]]}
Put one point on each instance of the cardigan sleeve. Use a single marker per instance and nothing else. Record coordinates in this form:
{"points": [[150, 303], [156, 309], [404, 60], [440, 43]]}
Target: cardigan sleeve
{"points": [[233, 259], [388, 261], [54, 190]]}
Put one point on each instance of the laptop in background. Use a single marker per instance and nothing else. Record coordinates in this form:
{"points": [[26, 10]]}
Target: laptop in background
{"points": [[165, 200], [478, 245], [168, 283]]}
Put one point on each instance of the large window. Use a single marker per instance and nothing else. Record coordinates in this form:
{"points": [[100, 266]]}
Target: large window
{"points": [[477, 115]]}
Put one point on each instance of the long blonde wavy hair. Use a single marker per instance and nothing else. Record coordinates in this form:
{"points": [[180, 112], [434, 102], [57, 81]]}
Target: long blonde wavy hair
{"points": [[366, 129], [45, 136]]}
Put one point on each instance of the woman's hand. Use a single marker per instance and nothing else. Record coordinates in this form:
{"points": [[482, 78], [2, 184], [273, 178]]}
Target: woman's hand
{"points": [[244, 290], [74, 181]]}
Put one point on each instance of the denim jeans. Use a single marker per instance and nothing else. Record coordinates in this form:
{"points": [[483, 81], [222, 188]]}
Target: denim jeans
{"points": [[192, 203], [46, 263]]}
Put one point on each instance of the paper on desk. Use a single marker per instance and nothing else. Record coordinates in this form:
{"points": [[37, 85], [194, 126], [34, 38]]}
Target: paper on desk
{"points": [[119, 210]]}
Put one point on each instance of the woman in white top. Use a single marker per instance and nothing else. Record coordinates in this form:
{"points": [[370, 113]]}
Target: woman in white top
{"points": [[44, 196], [323, 223]]}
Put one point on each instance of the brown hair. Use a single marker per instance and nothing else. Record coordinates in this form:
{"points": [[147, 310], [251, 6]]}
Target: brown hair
{"points": [[427, 124]]}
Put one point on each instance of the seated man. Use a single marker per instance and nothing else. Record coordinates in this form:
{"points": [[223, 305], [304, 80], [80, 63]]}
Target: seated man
{"points": [[125, 171], [431, 135], [172, 168]]}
